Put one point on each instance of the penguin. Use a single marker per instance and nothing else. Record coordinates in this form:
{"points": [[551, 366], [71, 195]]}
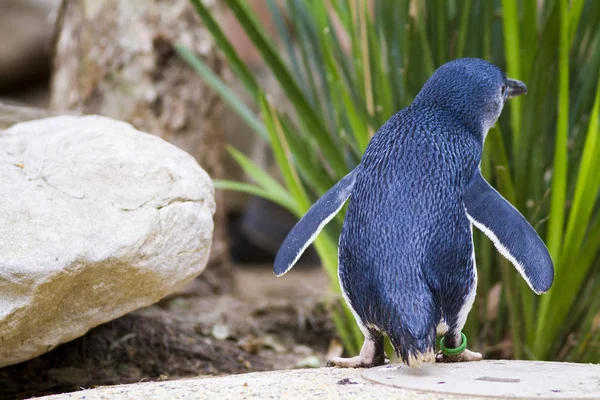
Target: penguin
{"points": [[406, 256]]}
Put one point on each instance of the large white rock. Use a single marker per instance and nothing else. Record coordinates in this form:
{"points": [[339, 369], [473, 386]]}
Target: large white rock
{"points": [[96, 219]]}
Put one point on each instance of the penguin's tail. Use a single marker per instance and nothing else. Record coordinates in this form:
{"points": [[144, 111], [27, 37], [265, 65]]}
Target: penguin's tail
{"points": [[410, 323], [307, 229], [416, 358], [412, 351]]}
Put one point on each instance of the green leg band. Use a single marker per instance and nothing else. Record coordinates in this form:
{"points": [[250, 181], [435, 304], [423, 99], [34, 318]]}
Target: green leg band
{"points": [[452, 352]]}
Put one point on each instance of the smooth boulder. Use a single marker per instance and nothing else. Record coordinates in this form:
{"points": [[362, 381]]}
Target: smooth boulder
{"points": [[97, 219]]}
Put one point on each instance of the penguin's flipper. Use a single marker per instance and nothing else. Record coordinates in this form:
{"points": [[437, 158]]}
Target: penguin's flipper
{"points": [[512, 235], [307, 229]]}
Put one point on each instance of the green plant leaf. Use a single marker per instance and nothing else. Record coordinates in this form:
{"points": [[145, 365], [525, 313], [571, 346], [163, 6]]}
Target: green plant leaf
{"points": [[345, 71], [286, 202], [283, 155], [227, 94], [512, 46], [263, 179], [235, 62], [270, 55]]}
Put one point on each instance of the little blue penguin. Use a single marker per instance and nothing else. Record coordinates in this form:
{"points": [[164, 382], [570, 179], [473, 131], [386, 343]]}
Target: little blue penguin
{"points": [[406, 255]]}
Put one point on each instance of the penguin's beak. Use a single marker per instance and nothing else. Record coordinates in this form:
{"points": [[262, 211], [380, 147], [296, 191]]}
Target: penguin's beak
{"points": [[515, 88]]}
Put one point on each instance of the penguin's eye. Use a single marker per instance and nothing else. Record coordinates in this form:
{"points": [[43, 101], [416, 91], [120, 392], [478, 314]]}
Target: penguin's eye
{"points": [[503, 89]]}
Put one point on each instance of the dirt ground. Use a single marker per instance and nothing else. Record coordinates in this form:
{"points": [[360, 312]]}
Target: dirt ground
{"points": [[253, 322]]}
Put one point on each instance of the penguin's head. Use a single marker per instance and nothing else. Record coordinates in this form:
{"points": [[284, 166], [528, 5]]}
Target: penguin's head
{"points": [[472, 90]]}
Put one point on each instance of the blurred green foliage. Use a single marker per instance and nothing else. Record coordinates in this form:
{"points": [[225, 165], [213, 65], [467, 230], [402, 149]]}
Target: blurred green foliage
{"points": [[543, 155]]}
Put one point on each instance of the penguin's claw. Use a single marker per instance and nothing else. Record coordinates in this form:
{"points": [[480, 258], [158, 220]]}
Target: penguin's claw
{"points": [[356, 362], [465, 356]]}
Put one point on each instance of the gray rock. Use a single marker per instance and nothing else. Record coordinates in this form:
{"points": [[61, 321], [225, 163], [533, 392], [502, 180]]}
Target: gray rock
{"points": [[96, 219], [26, 29]]}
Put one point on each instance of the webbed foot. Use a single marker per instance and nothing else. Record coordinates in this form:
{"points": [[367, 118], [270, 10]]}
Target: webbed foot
{"points": [[356, 362], [458, 351], [466, 355], [371, 355]]}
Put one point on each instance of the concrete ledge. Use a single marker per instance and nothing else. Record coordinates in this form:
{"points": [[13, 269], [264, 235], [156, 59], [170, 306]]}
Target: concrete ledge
{"points": [[335, 383], [496, 378]]}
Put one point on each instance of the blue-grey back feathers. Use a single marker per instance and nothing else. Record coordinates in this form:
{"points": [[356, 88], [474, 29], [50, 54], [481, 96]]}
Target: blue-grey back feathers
{"points": [[512, 235], [406, 251], [306, 230]]}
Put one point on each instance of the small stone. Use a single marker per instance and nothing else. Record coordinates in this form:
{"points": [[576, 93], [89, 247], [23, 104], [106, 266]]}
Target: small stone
{"points": [[270, 342], [304, 350], [308, 362], [251, 344], [220, 331]]}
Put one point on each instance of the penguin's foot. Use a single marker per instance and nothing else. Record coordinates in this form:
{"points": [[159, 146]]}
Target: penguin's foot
{"points": [[458, 352], [356, 362], [466, 355], [371, 355]]}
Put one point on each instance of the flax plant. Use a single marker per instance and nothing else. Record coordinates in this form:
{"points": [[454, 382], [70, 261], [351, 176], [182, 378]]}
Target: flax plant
{"points": [[543, 155]]}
